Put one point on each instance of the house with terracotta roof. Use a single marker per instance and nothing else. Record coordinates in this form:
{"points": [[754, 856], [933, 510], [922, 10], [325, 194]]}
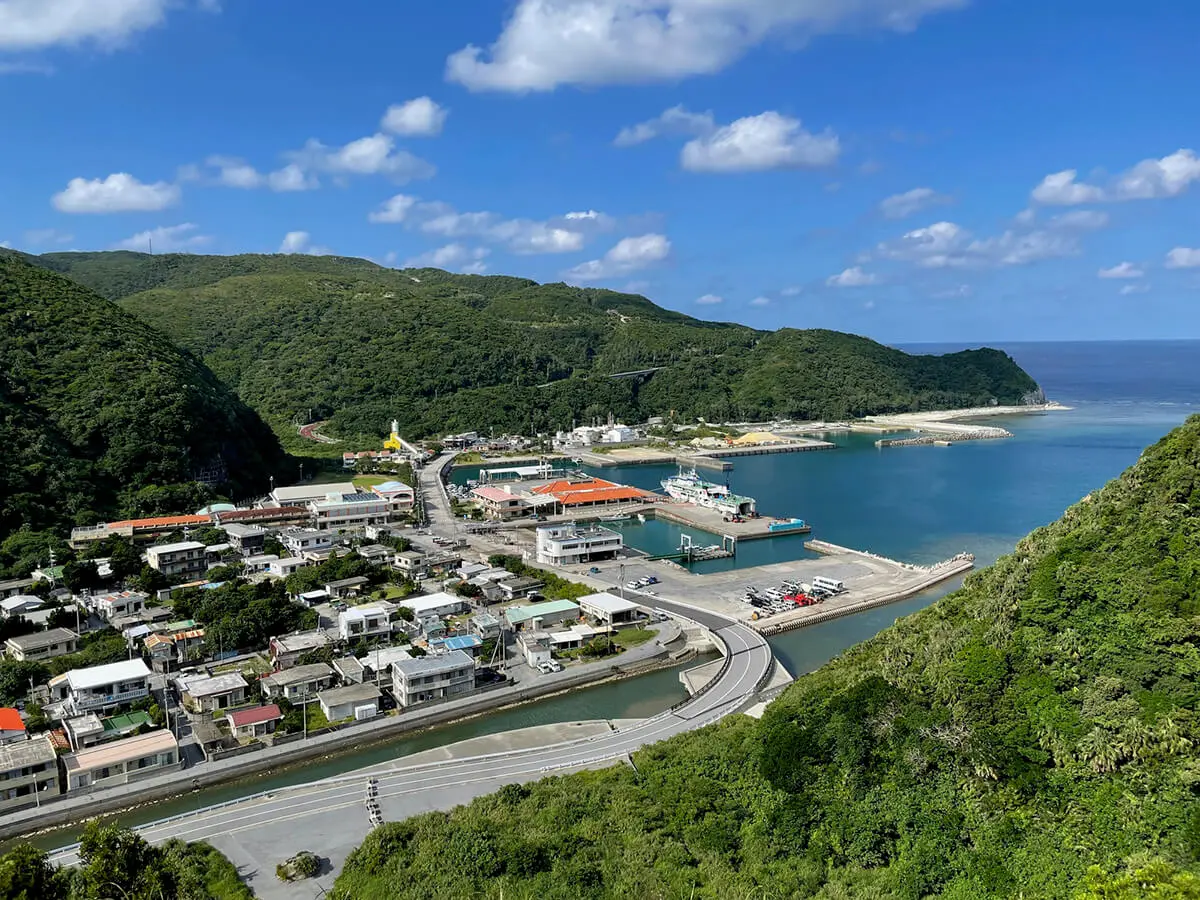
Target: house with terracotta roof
{"points": [[254, 722], [12, 727]]}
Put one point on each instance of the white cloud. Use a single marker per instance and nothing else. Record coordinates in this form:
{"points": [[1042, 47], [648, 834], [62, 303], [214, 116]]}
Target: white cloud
{"points": [[587, 215], [793, 291], [628, 255], [1148, 180], [393, 210], [852, 277], [453, 257], [421, 117], [1127, 289], [1061, 189], [120, 192], [1153, 178], [301, 242], [1184, 258], [676, 120], [947, 245], [1121, 270], [372, 155], [899, 206], [36, 24], [761, 301], [710, 300], [169, 239], [757, 143], [547, 43], [237, 173], [42, 236]]}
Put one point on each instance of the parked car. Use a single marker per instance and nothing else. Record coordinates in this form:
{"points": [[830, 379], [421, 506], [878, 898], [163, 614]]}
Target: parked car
{"points": [[550, 666], [594, 570]]}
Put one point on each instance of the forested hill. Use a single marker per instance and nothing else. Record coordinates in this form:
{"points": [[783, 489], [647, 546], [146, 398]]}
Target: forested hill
{"points": [[1032, 735], [95, 406], [360, 344]]}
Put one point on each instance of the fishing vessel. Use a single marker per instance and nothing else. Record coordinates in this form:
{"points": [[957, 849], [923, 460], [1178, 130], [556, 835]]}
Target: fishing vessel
{"points": [[691, 488]]}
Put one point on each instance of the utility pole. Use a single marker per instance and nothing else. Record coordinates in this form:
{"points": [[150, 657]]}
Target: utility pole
{"points": [[304, 712]]}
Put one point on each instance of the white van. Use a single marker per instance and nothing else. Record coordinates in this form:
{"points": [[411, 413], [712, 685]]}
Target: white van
{"points": [[828, 584]]}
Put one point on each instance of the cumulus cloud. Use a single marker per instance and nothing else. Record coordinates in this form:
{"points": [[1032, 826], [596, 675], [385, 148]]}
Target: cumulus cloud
{"points": [[900, 206], [710, 300], [393, 210], [1150, 179], [946, 245], [564, 234], [792, 291], [674, 121], [237, 173], [1127, 289], [301, 242], [1122, 270], [628, 255], [421, 117], [547, 43], [852, 278], [758, 143], [761, 301], [1183, 258], [372, 155], [38, 24], [168, 239], [25, 67], [453, 257], [120, 192]]}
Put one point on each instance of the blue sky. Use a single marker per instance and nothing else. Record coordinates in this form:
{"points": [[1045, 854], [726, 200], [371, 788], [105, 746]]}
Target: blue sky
{"points": [[941, 170]]}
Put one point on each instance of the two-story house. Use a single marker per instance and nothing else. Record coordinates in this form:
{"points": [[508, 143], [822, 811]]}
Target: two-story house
{"points": [[41, 645], [366, 621], [300, 684], [429, 678], [103, 687], [185, 559]]}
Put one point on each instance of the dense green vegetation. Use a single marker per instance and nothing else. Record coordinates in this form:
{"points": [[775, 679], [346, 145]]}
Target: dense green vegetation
{"points": [[115, 862], [101, 415], [1031, 735], [346, 340]]}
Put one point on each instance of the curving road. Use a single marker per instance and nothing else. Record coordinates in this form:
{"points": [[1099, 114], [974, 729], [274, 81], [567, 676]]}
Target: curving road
{"points": [[330, 817]]}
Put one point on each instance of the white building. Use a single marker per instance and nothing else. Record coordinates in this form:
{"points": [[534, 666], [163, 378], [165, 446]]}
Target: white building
{"points": [[287, 649], [358, 701], [104, 687], [366, 621], [351, 510], [26, 767], [399, 496], [608, 609], [120, 603], [535, 648], [120, 762], [300, 540], [440, 604], [569, 544], [303, 494], [20, 604], [433, 678], [282, 568], [182, 560]]}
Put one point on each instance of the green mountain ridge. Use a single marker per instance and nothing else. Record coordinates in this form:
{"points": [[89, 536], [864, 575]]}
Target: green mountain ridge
{"points": [[304, 337], [1033, 734], [95, 405]]}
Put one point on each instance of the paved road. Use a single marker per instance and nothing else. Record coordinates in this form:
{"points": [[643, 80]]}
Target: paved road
{"points": [[329, 817]]}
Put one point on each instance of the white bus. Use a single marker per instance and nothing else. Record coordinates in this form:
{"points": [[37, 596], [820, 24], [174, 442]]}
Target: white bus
{"points": [[828, 584]]}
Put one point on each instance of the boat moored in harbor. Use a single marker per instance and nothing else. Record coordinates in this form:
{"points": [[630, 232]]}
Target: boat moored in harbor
{"points": [[691, 488]]}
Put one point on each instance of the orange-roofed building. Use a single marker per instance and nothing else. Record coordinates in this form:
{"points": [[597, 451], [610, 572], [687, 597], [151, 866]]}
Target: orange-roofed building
{"points": [[573, 494], [12, 727]]}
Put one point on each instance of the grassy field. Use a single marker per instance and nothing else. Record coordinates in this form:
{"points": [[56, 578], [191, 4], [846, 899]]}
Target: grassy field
{"points": [[633, 637]]}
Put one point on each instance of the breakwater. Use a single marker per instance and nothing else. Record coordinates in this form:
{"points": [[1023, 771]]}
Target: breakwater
{"points": [[945, 438]]}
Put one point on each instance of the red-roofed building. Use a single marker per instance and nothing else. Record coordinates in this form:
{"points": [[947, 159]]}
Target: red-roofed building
{"points": [[501, 503], [12, 726], [254, 722]]}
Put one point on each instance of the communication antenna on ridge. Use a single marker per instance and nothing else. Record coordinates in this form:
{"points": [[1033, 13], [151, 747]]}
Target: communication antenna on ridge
{"points": [[150, 240]]}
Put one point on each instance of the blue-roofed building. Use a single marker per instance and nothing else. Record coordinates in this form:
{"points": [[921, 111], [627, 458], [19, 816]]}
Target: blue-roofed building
{"points": [[468, 643]]}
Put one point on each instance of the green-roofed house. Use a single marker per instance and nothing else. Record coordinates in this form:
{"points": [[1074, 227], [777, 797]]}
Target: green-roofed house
{"points": [[539, 615]]}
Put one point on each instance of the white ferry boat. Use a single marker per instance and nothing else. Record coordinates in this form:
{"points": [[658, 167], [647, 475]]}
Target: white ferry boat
{"points": [[691, 488]]}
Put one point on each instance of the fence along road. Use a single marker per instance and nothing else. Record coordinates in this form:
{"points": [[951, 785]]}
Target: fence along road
{"points": [[330, 817]]}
